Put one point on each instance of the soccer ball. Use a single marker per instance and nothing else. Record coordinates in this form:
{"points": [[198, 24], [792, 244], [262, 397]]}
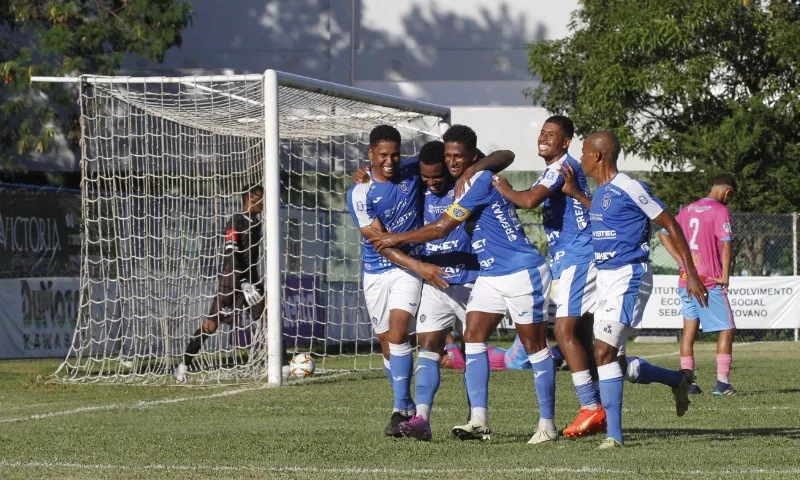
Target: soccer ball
{"points": [[302, 365]]}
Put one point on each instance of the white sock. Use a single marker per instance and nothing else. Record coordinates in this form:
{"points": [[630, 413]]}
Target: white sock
{"points": [[547, 424], [724, 378], [424, 411], [479, 415]]}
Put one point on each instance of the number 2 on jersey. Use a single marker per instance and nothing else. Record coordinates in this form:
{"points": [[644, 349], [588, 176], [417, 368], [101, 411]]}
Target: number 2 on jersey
{"points": [[694, 224]]}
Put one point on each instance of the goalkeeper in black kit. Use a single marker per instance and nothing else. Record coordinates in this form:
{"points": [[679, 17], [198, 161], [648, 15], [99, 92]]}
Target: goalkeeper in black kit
{"points": [[240, 284]]}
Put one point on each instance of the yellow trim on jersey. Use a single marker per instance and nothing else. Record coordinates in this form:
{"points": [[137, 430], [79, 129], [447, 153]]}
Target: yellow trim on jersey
{"points": [[458, 212]]}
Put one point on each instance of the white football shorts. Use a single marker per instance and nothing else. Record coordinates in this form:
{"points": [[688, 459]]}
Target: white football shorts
{"points": [[522, 296], [440, 309], [622, 294], [395, 289]]}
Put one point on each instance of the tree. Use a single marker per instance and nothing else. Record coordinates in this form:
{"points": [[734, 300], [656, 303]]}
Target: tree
{"points": [[70, 37], [697, 85]]}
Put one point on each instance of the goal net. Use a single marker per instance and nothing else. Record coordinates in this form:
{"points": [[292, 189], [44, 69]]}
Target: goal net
{"points": [[165, 164]]}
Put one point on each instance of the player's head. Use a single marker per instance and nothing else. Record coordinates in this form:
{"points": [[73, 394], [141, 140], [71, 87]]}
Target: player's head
{"points": [[432, 168], [724, 188], [555, 137], [600, 153], [252, 199], [460, 148], [384, 151]]}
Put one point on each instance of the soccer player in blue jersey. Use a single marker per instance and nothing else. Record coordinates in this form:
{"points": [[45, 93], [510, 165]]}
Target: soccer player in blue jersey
{"points": [[569, 237], [621, 211], [514, 278], [391, 200]]}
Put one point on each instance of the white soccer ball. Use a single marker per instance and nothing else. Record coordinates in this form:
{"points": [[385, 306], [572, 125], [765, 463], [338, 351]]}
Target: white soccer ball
{"points": [[302, 365]]}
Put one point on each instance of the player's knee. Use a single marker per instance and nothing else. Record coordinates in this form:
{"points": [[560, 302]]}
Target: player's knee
{"points": [[603, 353], [564, 330], [433, 342]]}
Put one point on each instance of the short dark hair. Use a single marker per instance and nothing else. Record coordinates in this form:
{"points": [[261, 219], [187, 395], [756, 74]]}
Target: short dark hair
{"points": [[564, 123], [432, 153], [461, 134], [255, 189], [725, 179], [384, 133]]}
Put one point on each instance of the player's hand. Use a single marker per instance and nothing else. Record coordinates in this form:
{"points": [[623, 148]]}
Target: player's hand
{"points": [[384, 240], [501, 184], [464, 181], [362, 175], [695, 289], [432, 274], [251, 294], [723, 282], [570, 187]]}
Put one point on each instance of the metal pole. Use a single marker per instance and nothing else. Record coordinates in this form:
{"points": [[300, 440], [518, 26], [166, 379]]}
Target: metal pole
{"points": [[272, 212], [794, 262]]}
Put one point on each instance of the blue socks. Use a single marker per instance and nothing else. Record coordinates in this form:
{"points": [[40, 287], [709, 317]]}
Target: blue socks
{"points": [[544, 379], [640, 371], [401, 363], [426, 381], [611, 389], [476, 376], [588, 395]]}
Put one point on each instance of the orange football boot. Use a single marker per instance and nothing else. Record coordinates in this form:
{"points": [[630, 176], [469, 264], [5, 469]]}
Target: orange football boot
{"points": [[588, 422]]}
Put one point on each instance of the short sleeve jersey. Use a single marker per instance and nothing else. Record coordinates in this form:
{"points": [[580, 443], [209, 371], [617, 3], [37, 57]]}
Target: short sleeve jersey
{"points": [[498, 237], [565, 219], [706, 224], [620, 216], [395, 203], [453, 252]]}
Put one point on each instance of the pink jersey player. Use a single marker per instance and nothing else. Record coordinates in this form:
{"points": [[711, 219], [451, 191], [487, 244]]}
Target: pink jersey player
{"points": [[706, 223]]}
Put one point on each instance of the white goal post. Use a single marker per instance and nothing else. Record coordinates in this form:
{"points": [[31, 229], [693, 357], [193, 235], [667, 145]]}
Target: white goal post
{"points": [[165, 163]]}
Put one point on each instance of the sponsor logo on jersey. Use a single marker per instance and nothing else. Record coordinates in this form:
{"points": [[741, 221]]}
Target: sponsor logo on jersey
{"points": [[601, 256], [643, 200], [726, 227], [487, 263], [378, 199], [558, 255], [479, 244], [437, 209], [596, 217], [604, 234], [443, 246], [698, 208]]}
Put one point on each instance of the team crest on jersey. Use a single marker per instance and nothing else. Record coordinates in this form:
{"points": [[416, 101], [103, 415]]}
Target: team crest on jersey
{"points": [[360, 206], [374, 320], [606, 202], [726, 227], [403, 186], [451, 193], [422, 318], [643, 200]]}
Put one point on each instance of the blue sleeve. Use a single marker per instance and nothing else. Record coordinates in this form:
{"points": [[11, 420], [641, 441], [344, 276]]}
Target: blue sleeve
{"points": [[410, 165], [479, 193], [551, 178]]}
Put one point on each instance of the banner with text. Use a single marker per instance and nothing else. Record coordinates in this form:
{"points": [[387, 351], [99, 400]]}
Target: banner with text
{"points": [[38, 316], [757, 303], [40, 233]]}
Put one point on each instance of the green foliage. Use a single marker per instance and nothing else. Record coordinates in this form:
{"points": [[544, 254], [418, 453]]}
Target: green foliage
{"points": [[697, 85], [70, 37]]}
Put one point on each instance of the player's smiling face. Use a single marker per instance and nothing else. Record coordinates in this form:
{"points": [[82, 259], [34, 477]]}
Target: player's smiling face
{"points": [[436, 177], [457, 158], [553, 144], [385, 157]]}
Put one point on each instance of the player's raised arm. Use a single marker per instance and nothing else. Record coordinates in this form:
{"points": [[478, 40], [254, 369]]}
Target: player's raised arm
{"points": [[531, 198], [458, 212]]}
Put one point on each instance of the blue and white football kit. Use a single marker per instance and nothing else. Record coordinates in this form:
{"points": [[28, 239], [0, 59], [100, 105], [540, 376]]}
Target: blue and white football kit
{"points": [[514, 280], [622, 210], [569, 238], [440, 309], [396, 204], [621, 213], [388, 287]]}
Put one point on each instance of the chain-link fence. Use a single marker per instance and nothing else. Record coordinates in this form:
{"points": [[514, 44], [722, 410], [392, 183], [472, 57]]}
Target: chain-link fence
{"points": [[764, 245]]}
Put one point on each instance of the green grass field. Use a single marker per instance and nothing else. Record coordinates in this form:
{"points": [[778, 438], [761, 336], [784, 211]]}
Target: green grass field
{"points": [[334, 429]]}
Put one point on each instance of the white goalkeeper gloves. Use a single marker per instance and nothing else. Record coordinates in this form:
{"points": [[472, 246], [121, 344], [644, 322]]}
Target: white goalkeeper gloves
{"points": [[251, 295]]}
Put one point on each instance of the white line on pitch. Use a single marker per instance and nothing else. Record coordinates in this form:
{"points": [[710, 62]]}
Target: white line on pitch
{"points": [[142, 404], [5, 464]]}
